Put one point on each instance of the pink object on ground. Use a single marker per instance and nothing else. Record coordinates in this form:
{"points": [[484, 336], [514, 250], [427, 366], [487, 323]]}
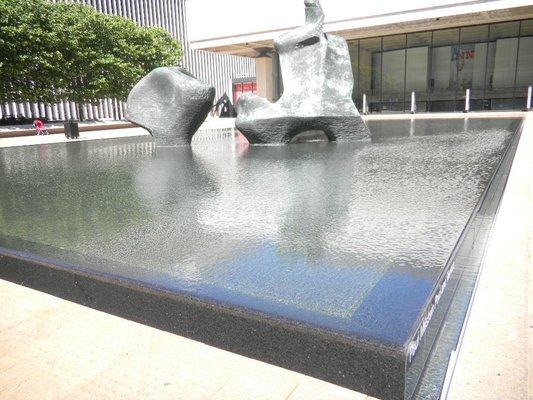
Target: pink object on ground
{"points": [[39, 125]]}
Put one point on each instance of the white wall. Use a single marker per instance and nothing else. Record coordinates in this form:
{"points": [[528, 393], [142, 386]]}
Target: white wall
{"points": [[215, 22]]}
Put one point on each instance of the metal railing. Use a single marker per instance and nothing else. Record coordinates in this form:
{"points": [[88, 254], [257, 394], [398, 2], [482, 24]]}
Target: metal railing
{"points": [[365, 109]]}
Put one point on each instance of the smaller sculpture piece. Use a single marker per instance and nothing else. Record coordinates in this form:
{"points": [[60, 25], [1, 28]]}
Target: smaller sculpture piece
{"points": [[224, 108], [171, 104], [318, 84]]}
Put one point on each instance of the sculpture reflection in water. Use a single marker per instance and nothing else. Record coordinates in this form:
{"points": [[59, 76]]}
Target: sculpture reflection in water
{"points": [[280, 222], [317, 89]]}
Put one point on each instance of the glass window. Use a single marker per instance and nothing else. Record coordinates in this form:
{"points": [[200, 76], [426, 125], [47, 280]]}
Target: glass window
{"points": [[393, 72], [417, 64], [417, 39], [471, 63], [370, 71], [526, 28], [494, 61], [501, 60], [524, 72], [444, 73], [471, 60], [445, 37], [353, 48]]}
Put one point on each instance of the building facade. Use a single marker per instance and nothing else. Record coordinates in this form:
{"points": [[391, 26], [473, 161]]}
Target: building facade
{"points": [[435, 48], [219, 70]]}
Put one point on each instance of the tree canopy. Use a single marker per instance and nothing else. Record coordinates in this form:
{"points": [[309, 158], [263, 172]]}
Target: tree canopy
{"points": [[68, 51]]}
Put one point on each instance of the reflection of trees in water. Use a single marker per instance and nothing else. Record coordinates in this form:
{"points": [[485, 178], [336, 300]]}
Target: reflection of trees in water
{"points": [[68, 194]]}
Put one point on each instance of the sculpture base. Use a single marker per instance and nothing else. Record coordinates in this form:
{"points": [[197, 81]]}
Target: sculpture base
{"points": [[283, 129]]}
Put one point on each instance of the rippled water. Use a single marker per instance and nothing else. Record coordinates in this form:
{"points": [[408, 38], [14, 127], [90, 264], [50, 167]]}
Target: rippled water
{"points": [[348, 236]]}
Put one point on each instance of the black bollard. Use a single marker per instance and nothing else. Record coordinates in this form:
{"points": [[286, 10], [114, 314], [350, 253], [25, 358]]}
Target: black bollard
{"points": [[71, 129]]}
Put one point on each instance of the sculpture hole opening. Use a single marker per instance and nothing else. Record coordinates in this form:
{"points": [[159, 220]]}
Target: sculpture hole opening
{"points": [[310, 136]]}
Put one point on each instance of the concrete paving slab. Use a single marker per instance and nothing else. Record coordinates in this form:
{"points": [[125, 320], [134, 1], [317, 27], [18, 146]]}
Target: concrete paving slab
{"points": [[92, 135]]}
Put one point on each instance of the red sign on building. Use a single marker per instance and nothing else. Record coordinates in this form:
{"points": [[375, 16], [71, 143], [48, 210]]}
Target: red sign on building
{"points": [[243, 86]]}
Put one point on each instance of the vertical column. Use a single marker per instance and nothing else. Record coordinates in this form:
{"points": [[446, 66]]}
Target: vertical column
{"points": [[265, 84], [467, 101]]}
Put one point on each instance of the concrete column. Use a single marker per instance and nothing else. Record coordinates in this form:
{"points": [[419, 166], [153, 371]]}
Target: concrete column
{"points": [[265, 83]]}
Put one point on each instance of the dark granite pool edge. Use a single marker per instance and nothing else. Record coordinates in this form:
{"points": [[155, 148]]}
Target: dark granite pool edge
{"points": [[471, 244], [83, 264], [482, 201], [469, 260], [376, 371]]}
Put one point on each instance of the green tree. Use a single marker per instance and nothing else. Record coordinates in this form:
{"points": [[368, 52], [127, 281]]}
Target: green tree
{"points": [[65, 51]]}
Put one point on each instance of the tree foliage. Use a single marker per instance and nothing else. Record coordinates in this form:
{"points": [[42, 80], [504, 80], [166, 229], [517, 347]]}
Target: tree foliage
{"points": [[67, 51]]}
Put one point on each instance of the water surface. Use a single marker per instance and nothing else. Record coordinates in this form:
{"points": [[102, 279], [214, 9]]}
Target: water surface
{"points": [[350, 237]]}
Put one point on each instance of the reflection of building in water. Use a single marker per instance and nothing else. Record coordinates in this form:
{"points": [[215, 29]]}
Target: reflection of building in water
{"points": [[122, 150], [214, 134], [28, 159]]}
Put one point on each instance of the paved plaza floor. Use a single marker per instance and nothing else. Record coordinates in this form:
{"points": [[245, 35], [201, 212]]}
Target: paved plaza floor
{"points": [[60, 138]]}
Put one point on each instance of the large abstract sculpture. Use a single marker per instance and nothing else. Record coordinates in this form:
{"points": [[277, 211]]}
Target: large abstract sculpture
{"points": [[318, 84], [171, 104]]}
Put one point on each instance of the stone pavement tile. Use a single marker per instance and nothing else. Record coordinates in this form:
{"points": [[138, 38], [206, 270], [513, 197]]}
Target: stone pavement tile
{"points": [[259, 381], [59, 138], [15, 310], [530, 317], [41, 368], [314, 389], [139, 375], [161, 366]]}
